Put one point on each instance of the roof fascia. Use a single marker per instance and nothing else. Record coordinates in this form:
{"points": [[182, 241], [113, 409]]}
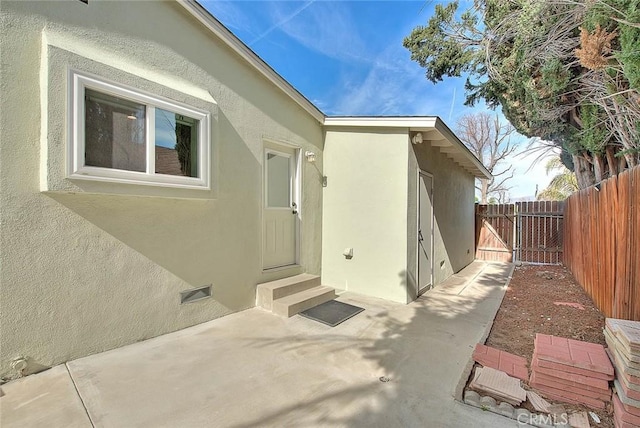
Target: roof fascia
{"points": [[236, 45], [381, 121], [412, 123], [449, 135]]}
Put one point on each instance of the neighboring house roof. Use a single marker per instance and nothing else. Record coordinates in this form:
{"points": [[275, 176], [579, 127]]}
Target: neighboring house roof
{"points": [[431, 127]]}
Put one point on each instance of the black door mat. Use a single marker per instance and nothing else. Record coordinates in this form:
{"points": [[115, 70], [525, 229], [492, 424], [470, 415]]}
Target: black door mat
{"points": [[332, 312]]}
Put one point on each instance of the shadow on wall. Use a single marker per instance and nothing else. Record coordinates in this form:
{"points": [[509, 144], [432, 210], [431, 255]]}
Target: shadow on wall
{"points": [[397, 371], [453, 209], [457, 238], [191, 238], [410, 281]]}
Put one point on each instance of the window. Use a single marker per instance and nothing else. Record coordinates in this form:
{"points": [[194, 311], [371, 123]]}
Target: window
{"points": [[124, 135], [278, 180]]}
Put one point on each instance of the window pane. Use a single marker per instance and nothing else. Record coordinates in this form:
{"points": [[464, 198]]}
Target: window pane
{"points": [[176, 144], [278, 182], [114, 132]]}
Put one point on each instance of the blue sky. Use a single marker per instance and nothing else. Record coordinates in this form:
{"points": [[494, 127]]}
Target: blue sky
{"points": [[347, 58]]}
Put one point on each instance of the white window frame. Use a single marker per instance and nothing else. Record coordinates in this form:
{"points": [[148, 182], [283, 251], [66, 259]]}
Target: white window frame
{"points": [[292, 179], [76, 165]]}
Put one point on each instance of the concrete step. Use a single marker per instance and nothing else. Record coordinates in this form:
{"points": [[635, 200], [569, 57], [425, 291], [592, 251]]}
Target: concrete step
{"points": [[267, 292], [290, 305]]}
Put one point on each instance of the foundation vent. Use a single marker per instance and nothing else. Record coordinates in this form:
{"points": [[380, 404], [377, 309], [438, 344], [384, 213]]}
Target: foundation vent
{"points": [[195, 294]]}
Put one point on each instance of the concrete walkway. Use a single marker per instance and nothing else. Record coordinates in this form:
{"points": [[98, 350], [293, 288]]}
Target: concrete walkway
{"points": [[253, 369]]}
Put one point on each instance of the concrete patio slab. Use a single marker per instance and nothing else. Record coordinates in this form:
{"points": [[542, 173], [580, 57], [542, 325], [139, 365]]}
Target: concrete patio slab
{"points": [[47, 399], [391, 365]]}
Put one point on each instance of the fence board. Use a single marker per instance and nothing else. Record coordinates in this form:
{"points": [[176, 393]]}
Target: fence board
{"points": [[601, 238], [532, 231], [634, 233]]}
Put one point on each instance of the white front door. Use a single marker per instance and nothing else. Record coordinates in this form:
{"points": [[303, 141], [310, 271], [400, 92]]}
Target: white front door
{"points": [[425, 232], [280, 217]]}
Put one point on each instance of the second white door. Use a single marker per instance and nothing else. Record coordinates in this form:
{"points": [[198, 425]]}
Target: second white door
{"points": [[425, 232]]}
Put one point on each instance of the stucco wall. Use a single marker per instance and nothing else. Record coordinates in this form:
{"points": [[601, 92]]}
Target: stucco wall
{"points": [[88, 267], [453, 205], [365, 208]]}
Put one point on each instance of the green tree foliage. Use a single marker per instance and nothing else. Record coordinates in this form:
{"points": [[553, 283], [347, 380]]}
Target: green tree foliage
{"points": [[562, 185], [562, 70]]}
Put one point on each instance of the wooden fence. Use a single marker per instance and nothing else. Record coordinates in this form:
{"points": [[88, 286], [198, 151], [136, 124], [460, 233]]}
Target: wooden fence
{"points": [[602, 243], [529, 232], [495, 232]]}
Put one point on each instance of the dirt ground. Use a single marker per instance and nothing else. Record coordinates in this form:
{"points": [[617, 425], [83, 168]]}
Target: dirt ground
{"points": [[529, 307]]}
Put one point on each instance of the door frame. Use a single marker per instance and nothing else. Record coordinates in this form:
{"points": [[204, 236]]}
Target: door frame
{"points": [[271, 145], [419, 175]]}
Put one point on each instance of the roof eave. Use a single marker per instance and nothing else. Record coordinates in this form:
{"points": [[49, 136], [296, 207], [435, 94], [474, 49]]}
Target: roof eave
{"points": [[381, 121], [470, 162], [462, 155], [482, 171], [236, 45]]}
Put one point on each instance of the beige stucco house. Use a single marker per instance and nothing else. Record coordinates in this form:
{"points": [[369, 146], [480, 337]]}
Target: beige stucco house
{"points": [[154, 171]]}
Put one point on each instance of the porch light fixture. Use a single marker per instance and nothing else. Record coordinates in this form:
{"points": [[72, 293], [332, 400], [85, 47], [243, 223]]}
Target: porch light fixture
{"points": [[311, 157], [417, 139]]}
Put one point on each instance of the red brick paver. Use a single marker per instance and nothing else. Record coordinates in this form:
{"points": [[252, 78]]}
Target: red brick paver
{"points": [[631, 393], [589, 356], [553, 382], [568, 376], [567, 397], [570, 369], [625, 416], [627, 407], [513, 365], [619, 423], [571, 304]]}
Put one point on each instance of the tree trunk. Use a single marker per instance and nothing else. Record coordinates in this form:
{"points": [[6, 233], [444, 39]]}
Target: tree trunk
{"points": [[622, 163], [582, 169], [612, 162], [484, 190], [598, 167]]}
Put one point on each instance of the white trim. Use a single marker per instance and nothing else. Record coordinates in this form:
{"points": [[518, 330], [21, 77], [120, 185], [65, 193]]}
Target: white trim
{"points": [[432, 124], [379, 121], [150, 119], [292, 178], [295, 196], [226, 36], [277, 142], [76, 168]]}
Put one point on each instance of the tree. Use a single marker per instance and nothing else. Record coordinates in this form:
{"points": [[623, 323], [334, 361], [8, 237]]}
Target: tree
{"points": [[566, 71], [562, 185], [490, 141]]}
